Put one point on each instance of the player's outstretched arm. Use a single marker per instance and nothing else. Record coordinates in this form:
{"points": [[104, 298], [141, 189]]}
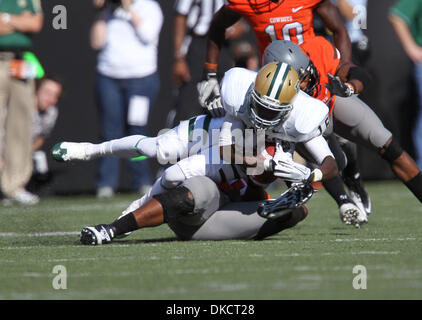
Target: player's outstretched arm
{"points": [[331, 18], [208, 89], [223, 19]]}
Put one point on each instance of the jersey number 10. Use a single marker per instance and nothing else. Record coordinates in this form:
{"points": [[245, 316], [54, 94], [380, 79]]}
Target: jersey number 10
{"points": [[286, 32]]}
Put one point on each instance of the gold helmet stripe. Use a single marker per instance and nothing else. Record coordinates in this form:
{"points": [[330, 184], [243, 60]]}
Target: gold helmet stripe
{"points": [[280, 75]]}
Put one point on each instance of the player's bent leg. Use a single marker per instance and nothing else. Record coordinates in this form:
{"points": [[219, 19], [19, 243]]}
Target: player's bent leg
{"points": [[149, 215], [171, 178], [240, 221], [352, 178], [272, 227], [357, 122], [403, 166], [207, 199]]}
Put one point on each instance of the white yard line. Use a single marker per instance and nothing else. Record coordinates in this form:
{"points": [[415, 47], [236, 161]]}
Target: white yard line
{"points": [[375, 239], [37, 234]]}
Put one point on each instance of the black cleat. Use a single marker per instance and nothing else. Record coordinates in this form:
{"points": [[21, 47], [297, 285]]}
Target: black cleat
{"points": [[100, 234], [293, 198]]}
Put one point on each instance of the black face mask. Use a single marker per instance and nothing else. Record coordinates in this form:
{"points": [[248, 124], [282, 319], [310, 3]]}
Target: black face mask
{"points": [[264, 6]]}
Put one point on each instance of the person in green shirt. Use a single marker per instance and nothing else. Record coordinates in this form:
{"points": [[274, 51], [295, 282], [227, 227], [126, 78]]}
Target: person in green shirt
{"points": [[406, 18], [19, 20]]}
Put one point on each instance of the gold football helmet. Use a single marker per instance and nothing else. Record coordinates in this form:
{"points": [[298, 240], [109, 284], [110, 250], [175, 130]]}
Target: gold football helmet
{"points": [[275, 87]]}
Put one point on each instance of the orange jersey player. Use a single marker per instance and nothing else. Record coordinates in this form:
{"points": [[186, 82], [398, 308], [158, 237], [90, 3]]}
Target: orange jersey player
{"points": [[278, 20]]}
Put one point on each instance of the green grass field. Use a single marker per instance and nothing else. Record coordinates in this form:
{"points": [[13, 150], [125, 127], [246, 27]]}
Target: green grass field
{"points": [[314, 260]]}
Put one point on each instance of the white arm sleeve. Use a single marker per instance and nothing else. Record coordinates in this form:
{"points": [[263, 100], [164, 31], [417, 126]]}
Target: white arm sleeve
{"points": [[318, 148]]}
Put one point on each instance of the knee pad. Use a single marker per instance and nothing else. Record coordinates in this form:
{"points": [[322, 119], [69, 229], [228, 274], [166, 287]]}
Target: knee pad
{"points": [[172, 177], [176, 202], [392, 152]]}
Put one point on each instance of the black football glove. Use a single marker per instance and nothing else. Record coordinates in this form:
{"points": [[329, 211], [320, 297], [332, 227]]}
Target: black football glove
{"points": [[338, 87]]}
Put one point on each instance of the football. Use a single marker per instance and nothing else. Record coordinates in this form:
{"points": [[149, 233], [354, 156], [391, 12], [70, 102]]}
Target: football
{"points": [[265, 178]]}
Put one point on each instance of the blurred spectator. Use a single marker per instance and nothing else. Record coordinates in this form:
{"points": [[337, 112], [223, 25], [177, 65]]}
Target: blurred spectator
{"points": [[18, 21], [355, 13], [127, 35], [245, 55], [48, 92], [406, 18]]}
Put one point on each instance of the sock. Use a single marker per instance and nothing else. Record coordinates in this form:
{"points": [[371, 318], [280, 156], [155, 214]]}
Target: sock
{"points": [[351, 170], [415, 185], [336, 189], [125, 224], [127, 147]]}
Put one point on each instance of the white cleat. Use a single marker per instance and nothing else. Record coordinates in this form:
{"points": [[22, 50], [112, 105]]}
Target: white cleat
{"points": [[71, 151], [349, 214], [358, 200], [362, 216]]}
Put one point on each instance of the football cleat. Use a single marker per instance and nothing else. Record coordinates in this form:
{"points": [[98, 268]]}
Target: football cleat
{"points": [[362, 216], [22, 197], [100, 234], [349, 214], [70, 151], [293, 198], [358, 193]]}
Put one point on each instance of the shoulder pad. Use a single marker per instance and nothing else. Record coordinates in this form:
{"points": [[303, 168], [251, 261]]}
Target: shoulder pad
{"points": [[308, 119]]}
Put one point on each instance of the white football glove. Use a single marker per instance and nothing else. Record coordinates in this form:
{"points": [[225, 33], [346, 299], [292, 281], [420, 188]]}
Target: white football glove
{"points": [[209, 95], [291, 171], [287, 169]]}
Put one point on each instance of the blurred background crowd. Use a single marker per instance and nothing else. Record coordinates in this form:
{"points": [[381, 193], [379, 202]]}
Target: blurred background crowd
{"points": [[102, 69]]}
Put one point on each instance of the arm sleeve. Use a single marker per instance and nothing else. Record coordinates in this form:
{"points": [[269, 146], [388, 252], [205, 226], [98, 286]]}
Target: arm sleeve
{"points": [[318, 148], [152, 21]]}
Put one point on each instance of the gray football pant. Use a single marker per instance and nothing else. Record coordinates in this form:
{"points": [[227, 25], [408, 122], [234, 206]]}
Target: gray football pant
{"points": [[355, 121], [215, 217]]}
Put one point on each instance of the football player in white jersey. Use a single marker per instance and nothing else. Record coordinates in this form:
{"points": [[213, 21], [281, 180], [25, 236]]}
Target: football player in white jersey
{"points": [[282, 112], [272, 101], [195, 209]]}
